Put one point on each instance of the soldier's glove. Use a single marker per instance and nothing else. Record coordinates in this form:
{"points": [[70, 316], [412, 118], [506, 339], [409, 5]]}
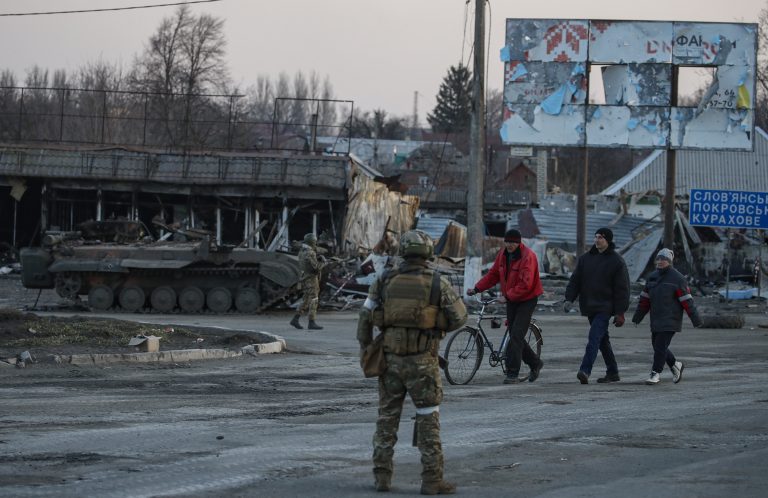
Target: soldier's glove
{"points": [[618, 320], [472, 291], [567, 306]]}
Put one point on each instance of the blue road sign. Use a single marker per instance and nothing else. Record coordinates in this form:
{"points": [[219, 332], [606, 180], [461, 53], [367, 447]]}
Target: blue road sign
{"points": [[728, 209]]}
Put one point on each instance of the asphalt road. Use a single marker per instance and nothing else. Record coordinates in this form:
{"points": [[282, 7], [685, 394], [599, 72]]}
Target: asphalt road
{"points": [[300, 423]]}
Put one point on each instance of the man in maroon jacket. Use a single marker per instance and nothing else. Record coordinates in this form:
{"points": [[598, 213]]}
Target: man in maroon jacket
{"points": [[516, 269]]}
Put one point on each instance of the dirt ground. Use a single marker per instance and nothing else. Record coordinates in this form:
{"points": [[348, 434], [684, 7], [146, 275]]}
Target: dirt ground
{"points": [[51, 335]]}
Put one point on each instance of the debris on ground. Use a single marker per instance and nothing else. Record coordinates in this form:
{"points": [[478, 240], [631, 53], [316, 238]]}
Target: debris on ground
{"points": [[25, 337]]}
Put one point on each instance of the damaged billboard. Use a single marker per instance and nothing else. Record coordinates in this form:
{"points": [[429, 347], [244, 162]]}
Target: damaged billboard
{"points": [[614, 84]]}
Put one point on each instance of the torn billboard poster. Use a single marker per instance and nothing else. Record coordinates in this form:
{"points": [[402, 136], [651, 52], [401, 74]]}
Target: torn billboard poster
{"points": [[623, 42], [546, 40], [534, 82], [548, 69], [731, 88], [712, 128], [714, 44], [614, 126], [528, 123]]}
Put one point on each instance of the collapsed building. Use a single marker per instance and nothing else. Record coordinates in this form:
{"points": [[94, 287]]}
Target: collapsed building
{"points": [[248, 200]]}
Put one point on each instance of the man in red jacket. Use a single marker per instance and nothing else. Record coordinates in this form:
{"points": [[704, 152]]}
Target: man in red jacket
{"points": [[516, 269]]}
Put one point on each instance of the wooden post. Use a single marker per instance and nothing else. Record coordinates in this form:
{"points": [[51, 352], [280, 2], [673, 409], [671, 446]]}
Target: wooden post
{"points": [[581, 205], [477, 157], [669, 189]]}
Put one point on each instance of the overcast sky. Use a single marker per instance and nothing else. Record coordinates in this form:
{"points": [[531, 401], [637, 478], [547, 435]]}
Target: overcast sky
{"points": [[375, 52]]}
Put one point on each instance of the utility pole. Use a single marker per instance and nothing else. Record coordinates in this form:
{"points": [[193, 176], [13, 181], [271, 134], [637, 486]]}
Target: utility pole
{"points": [[582, 179], [669, 189], [477, 157]]}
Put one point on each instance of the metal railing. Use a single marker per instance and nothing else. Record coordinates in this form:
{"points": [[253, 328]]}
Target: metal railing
{"points": [[160, 120]]}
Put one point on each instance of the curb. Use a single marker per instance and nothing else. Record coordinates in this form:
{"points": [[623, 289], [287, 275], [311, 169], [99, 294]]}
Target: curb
{"points": [[173, 356], [268, 348]]}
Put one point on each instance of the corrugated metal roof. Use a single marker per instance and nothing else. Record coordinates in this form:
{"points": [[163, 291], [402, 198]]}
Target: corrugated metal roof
{"points": [[725, 170], [272, 171], [434, 227], [559, 227], [371, 150], [369, 170]]}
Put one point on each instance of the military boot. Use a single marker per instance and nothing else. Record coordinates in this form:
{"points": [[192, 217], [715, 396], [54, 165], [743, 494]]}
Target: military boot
{"points": [[438, 488], [382, 482], [295, 322], [314, 326]]}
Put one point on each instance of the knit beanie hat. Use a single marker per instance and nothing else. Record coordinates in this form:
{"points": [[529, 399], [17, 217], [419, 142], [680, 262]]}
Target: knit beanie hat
{"points": [[607, 234], [513, 235], [666, 254]]}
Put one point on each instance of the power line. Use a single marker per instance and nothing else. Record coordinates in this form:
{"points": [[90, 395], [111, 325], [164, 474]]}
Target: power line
{"points": [[104, 10]]}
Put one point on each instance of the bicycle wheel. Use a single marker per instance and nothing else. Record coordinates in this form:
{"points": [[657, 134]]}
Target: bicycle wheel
{"points": [[464, 353], [534, 338]]}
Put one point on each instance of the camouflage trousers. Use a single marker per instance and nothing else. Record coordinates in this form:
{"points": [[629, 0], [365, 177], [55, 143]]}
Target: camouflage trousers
{"points": [[419, 376], [311, 296]]}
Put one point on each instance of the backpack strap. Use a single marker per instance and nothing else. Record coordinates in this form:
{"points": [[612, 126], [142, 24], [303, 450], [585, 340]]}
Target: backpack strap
{"points": [[386, 276], [434, 293]]}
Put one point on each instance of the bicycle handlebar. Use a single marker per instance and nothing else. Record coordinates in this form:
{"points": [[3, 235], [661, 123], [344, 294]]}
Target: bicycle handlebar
{"points": [[486, 302]]}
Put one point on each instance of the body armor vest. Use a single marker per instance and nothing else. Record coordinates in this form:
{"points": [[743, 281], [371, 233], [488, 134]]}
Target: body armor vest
{"points": [[410, 311], [407, 303]]}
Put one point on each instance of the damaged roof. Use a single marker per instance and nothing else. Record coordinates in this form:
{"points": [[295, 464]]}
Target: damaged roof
{"points": [[434, 227], [746, 171], [241, 174], [559, 227]]}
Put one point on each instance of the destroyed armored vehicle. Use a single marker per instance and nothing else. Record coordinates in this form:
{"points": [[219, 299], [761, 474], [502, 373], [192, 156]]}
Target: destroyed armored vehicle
{"points": [[133, 272]]}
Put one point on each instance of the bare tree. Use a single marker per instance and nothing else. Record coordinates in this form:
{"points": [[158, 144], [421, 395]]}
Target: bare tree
{"points": [[761, 92], [314, 83], [378, 124], [184, 58], [494, 108], [299, 113], [327, 109], [39, 107], [203, 51], [102, 114], [36, 77], [282, 90], [9, 105], [261, 99], [7, 78]]}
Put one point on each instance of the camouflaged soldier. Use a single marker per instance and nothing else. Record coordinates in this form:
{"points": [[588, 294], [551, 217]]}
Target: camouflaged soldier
{"points": [[310, 268], [413, 307]]}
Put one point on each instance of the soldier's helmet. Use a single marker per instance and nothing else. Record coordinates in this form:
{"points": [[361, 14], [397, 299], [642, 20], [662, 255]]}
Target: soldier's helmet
{"points": [[310, 239], [415, 243]]}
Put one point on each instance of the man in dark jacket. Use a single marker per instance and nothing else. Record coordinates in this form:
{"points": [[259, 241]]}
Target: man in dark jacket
{"points": [[666, 295], [516, 269], [601, 282]]}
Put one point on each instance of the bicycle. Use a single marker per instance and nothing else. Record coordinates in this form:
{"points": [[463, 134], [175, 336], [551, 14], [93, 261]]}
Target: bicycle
{"points": [[465, 348]]}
